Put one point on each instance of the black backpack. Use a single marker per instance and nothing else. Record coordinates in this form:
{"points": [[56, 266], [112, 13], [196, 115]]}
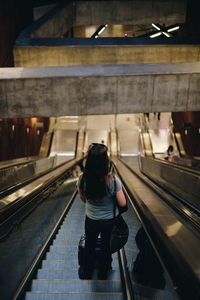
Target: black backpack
{"points": [[147, 268]]}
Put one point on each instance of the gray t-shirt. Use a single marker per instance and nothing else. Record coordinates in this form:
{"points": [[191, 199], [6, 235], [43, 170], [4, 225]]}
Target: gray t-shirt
{"points": [[103, 210]]}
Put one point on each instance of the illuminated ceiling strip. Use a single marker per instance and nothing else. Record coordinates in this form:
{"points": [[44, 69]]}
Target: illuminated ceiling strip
{"points": [[155, 35], [62, 154], [155, 26], [102, 29], [166, 34], [128, 154], [173, 29]]}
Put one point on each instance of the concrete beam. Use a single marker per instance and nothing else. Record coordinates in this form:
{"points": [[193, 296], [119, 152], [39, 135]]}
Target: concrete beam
{"points": [[103, 89], [95, 54], [72, 13], [54, 24], [130, 12]]}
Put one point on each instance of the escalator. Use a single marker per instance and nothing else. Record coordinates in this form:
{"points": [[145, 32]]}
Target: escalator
{"points": [[55, 270], [57, 275], [57, 278]]}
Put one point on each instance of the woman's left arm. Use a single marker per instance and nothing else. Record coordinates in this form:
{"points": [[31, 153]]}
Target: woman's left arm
{"points": [[81, 195]]}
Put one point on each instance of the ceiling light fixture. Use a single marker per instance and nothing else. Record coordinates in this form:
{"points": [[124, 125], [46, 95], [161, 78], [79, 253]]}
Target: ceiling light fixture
{"points": [[155, 34], [163, 30], [173, 29], [166, 34], [102, 29], [99, 31], [155, 26]]}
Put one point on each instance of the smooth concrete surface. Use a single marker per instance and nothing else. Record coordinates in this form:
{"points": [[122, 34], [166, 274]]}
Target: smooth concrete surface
{"points": [[26, 56], [40, 11], [108, 89], [53, 24], [130, 12], [57, 25], [71, 13]]}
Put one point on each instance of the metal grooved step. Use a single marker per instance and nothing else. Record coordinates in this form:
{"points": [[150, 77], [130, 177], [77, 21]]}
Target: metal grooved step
{"points": [[57, 279]]}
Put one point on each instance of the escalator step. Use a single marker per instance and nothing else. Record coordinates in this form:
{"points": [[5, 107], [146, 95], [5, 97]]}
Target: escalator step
{"points": [[79, 221], [65, 242], [65, 255], [72, 226], [60, 265], [68, 264], [70, 230], [68, 236], [63, 249], [61, 256], [69, 296], [64, 286], [72, 274]]}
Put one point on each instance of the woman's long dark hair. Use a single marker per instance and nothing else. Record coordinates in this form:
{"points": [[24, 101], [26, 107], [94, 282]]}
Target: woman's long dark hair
{"points": [[95, 173]]}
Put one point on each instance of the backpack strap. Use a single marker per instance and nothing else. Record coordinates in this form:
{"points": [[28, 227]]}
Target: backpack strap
{"points": [[114, 197]]}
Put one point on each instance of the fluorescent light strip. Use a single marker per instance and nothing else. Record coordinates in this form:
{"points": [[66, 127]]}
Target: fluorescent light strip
{"points": [[155, 35], [155, 26], [102, 29], [173, 29], [129, 154], [62, 154], [166, 34]]}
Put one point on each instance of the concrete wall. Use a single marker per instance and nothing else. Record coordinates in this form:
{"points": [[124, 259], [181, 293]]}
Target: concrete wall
{"points": [[61, 19], [108, 89], [106, 12], [27, 56], [57, 25], [130, 12]]}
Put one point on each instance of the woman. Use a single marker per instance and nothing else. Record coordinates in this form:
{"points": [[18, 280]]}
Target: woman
{"points": [[170, 153], [96, 188]]}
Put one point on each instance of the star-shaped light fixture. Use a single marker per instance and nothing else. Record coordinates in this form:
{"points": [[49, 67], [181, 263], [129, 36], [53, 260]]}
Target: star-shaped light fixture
{"points": [[164, 30]]}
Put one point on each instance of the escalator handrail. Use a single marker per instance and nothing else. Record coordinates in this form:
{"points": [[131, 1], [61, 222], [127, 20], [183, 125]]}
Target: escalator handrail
{"points": [[177, 166], [13, 188], [13, 212], [128, 291], [178, 207], [176, 266], [33, 268]]}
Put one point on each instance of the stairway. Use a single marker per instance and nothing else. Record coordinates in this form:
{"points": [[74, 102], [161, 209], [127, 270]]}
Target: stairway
{"points": [[58, 276]]}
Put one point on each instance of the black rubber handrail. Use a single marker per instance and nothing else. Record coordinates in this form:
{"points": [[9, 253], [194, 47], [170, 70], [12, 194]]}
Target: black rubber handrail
{"points": [[128, 291], [15, 163], [177, 166]]}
